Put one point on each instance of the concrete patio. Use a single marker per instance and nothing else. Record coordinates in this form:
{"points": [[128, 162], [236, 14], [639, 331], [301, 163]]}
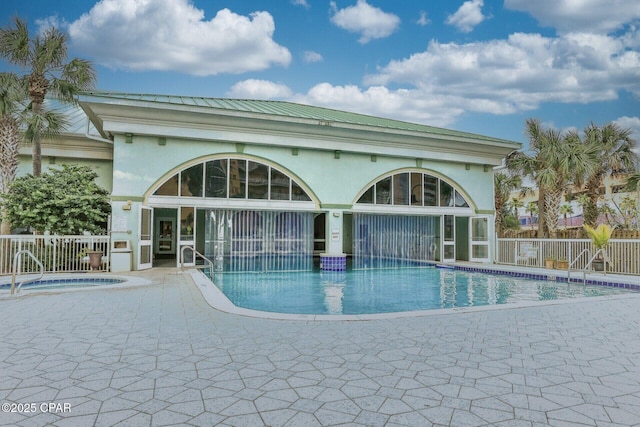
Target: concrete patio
{"points": [[160, 355]]}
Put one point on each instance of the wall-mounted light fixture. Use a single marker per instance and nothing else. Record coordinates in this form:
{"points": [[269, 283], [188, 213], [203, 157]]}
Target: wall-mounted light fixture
{"points": [[162, 140], [336, 154], [486, 168], [374, 158], [128, 138], [127, 206], [467, 166]]}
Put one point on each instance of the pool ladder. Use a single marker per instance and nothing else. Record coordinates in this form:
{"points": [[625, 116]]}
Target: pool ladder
{"points": [[586, 267], [207, 260], [16, 263]]}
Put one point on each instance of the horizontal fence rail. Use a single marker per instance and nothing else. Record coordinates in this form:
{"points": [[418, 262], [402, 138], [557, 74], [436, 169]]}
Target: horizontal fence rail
{"points": [[623, 255], [58, 254]]}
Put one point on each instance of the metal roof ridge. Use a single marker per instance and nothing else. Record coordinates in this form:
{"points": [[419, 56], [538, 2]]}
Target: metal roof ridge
{"points": [[313, 112]]}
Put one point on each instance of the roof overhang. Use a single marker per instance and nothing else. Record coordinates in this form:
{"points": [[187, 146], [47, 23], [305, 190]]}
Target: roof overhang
{"points": [[139, 117]]}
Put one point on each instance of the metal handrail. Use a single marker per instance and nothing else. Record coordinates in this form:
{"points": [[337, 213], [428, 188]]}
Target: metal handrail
{"points": [[584, 278], [16, 258], [207, 260]]}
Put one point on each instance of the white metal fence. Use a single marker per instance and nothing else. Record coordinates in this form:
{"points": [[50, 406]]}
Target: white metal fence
{"points": [[58, 254], [624, 255]]}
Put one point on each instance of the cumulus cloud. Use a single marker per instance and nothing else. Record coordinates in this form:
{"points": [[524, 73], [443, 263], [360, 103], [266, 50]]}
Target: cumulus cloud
{"points": [[53, 21], [259, 89], [519, 73], [371, 22], [310, 56], [173, 35], [467, 16], [423, 20], [632, 123], [579, 15]]}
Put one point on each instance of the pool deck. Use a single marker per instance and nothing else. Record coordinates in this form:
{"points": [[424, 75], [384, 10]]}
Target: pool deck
{"points": [[159, 355]]}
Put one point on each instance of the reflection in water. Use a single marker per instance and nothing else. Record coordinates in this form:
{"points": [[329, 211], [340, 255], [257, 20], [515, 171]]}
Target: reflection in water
{"points": [[333, 283], [388, 290]]}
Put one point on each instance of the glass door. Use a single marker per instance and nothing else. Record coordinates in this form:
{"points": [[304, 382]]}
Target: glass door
{"points": [[145, 238], [479, 244], [448, 238], [187, 236]]}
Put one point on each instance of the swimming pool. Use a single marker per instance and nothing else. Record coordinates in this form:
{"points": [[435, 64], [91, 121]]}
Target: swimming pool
{"points": [[69, 282], [389, 291]]}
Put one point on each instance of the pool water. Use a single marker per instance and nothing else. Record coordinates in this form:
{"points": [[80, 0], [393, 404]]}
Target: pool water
{"points": [[65, 283], [388, 291]]}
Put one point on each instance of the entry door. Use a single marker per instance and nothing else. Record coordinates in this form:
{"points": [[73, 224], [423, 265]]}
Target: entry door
{"points": [[145, 238], [448, 238], [479, 244]]}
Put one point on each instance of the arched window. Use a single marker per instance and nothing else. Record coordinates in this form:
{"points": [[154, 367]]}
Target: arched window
{"points": [[413, 189], [233, 178]]}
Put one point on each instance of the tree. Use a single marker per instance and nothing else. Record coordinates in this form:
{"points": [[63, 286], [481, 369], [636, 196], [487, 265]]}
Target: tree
{"points": [[47, 72], [532, 209], [62, 201], [556, 160], [10, 96], [566, 210], [614, 155], [503, 185], [516, 204]]}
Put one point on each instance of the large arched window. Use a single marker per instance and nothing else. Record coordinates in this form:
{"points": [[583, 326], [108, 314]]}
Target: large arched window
{"points": [[233, 178], [413, 189]]}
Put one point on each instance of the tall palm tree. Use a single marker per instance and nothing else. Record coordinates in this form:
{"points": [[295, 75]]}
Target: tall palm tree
{"points": [[47, 72], [10, 96], [17, 124], [516, 204], [503, 185], [566, 210], [555, 162], [614, 155], [532, 209]]}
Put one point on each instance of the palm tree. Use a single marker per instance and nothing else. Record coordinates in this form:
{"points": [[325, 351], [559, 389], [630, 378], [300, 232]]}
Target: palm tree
{"points": [[566, 210], [47, 73], [532, 209], [516, 204], [503, 184], [10, 108], [556, 161], [614, 155]]}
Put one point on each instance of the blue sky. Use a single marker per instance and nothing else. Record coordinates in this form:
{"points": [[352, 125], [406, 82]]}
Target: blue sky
{"points": [[481, 66]]}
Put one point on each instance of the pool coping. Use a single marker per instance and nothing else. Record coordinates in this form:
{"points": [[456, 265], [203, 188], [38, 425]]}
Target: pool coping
{"points": [[219, 301], [128, 281]]}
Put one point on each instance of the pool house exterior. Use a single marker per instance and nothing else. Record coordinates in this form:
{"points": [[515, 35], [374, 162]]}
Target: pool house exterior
{"points": [[268, 185]]}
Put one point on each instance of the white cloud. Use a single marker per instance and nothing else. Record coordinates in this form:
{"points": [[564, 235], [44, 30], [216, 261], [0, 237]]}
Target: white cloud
{"points": [[632, 123], [53, 21], [423, 20], [519, 73], [310, 56], [402, 104], [467, 16], [371, 22], [173, 35], [259, 89], [601, 16], [303, 3]]}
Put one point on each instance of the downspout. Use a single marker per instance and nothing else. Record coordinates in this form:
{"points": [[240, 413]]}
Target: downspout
{"points": [[95, 138]]}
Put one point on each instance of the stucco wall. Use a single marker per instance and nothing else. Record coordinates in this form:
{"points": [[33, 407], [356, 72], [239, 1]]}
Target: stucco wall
{"points": [[141, 164]]}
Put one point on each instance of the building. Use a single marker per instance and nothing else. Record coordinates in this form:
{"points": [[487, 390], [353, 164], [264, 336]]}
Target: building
{"points": [[269, 184]]}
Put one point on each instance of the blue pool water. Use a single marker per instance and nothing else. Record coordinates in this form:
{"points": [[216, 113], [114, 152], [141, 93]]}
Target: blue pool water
{"points": [[66, 283], [388, 291]]}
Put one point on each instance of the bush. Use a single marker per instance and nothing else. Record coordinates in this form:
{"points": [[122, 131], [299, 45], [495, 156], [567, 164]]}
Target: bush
{"points": [[66, 201]]}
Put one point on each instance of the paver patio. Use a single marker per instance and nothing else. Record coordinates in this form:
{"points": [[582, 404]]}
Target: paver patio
{"points": [[160, 355]]}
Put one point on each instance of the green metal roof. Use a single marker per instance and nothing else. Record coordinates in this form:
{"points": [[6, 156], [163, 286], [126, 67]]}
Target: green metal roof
{"points": [[289, 109]]}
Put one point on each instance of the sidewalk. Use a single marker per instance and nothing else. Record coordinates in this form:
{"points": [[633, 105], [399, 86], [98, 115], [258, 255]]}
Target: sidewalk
{"points": [[160, 355]]}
